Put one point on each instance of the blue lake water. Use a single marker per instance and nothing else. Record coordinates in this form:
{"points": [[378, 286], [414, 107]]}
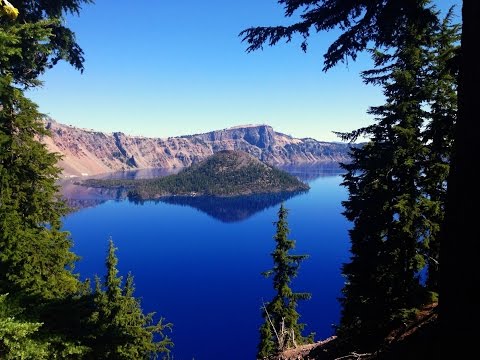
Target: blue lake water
{"points": [[198, 263]]}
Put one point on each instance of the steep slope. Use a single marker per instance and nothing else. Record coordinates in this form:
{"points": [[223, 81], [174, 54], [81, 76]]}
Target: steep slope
{"points": [[226, 173], [88, 152], [416, 338]]}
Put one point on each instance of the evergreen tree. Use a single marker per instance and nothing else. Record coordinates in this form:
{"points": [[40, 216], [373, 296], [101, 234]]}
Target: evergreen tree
{"points": [[438, 139], [33, 53], [15, 334], [363, 23], [121, 330], [385, 198], [47, 308], [45, 315], [281, 328], [35, 256], [397, 185]]}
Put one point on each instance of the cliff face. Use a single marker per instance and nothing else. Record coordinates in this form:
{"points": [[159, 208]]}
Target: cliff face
{"points": [[87, 152]]}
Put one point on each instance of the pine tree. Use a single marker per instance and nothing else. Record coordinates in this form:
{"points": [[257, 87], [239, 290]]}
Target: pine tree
{"points": [[281, 328], [46, 314], [35, 256], [438, 139], [15, 334], [364, 23], [121, 330], [385, 197], [41, 39], [47, 304]]}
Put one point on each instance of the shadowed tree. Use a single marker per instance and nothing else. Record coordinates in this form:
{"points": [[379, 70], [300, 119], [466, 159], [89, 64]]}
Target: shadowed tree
{"points": [[438, 138], [364, 23], [386, 200]]}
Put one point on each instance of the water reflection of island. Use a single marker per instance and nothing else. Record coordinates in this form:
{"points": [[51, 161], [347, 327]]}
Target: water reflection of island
{"points": [[228, 209], [310, 172], [81, 197]]}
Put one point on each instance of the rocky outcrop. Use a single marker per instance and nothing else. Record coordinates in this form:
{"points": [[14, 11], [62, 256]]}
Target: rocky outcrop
{"points": [[89, 152]]}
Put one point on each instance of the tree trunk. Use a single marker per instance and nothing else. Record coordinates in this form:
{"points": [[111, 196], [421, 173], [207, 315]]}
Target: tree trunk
{"points": [[459, 261]]}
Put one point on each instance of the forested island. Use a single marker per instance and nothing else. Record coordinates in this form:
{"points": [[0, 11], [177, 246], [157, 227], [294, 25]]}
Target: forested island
{"points": [[224, 174]]}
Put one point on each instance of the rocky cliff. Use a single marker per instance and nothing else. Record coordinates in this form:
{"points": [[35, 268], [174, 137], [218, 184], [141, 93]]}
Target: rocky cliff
{"points": [[88, 152]]}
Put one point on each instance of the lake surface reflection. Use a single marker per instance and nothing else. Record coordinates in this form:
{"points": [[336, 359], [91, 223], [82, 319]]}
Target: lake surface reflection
{"points": [[197, 261]]}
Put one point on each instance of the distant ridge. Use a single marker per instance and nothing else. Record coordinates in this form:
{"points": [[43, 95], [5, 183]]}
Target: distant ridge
{"points": [[90, 152]]}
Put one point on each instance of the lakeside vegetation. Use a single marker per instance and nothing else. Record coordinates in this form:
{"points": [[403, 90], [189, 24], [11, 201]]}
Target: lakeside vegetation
{"points": [[224, 174], [46, 311]]}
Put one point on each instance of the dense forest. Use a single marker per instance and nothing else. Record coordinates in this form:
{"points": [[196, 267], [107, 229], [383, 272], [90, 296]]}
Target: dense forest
{"points": [[411, 193], [226, 173]]}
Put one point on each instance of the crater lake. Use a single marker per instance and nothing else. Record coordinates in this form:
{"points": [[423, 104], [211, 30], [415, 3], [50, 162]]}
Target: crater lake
{"points": [[197, 261]]}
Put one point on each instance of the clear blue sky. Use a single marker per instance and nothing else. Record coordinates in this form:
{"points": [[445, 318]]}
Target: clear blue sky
{"points": [[164, 68]]}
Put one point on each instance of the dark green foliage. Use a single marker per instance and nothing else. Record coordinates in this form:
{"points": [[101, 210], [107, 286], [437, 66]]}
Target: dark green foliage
{"points": [[121, 330], [438, 139], [393, 183], [281, 329], [31, 57], [35, 258], [15, 334], [361, 21], [46, 312], [226, 173], [383, 204], [381, 24], [35, 255]]}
